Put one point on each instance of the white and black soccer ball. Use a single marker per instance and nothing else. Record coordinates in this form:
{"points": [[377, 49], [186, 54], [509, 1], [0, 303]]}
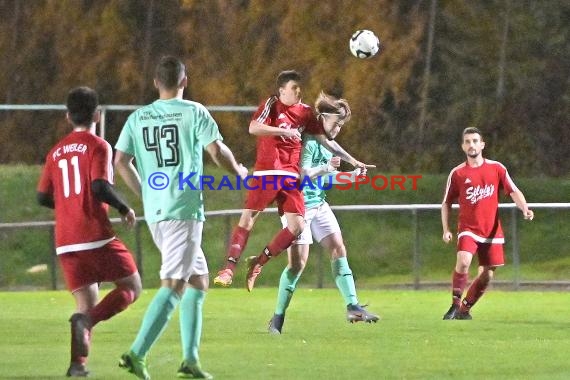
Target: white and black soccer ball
{"points": [[364, 44]]}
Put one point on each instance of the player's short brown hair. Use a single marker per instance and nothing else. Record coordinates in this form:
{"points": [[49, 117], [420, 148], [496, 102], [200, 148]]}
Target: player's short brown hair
{"points": [[169, 72], [285, 76], [470, 130], [82, 102]]}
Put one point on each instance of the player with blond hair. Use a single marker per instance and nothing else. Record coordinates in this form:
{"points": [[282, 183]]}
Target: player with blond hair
{"points": [[320, 221]]}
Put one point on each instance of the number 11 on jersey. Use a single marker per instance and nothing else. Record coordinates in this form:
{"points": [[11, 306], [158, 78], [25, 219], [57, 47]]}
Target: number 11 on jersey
{"points": [[63, 165]]}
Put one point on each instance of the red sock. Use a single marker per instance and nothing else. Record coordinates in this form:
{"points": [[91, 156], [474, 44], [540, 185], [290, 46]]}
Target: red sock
{"points": [[474, 292], [113, 303], [280, 242], [458, 283], [238, 242]]}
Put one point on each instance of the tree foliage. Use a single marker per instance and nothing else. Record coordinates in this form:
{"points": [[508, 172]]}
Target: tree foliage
{"points": [[501, 65]]}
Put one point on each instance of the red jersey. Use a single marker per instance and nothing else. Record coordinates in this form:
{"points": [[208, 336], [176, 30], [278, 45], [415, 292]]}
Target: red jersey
{"points": [[82, 222], [477, 191], [277, 155]]}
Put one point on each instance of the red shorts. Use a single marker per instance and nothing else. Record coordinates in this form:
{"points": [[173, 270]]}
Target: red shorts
{"points": [[282, 190], [109, 263], [488, 254]]}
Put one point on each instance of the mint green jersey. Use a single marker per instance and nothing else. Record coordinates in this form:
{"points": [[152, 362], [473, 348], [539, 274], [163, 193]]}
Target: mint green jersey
{"points": [[167, 139], [313, 155]]}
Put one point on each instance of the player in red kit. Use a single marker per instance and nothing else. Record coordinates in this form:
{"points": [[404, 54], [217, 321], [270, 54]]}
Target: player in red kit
{"points": [[278, 124], [475, 185], [77, 181]]}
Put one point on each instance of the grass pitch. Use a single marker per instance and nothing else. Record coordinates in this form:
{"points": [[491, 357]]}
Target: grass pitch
{"points": [[514, 335]]}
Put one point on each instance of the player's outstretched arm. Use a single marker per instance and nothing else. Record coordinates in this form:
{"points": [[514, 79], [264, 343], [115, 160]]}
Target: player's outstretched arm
{"points": [[332, 176], [334, 147], [258, 129], [317, 171], [342, 178], [520, 201], [223, 157], [124, 165]]}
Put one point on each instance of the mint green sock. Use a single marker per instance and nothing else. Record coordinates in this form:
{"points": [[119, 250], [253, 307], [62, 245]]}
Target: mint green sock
{"points": [[155, 320], [344, 281], [191, 323], [287, 285]]}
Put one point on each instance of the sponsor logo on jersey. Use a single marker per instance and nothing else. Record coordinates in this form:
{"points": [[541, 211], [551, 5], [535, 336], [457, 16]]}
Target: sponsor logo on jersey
{"points": [[476, 193]]}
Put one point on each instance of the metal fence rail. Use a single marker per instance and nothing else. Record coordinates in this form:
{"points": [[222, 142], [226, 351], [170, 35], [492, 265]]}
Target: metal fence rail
{"points": [[412, 208]]}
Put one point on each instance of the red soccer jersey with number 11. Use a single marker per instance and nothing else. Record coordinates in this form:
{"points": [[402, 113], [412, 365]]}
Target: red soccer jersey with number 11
{"points": [[477, 191], [72, 164]]}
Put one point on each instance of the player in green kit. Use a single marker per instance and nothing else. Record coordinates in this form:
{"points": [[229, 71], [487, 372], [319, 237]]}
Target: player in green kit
{"points": [[320, 221], [167, 138]]}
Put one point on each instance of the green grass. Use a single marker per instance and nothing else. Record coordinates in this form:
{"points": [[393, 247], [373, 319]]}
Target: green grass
{"points": [[514, 335]]}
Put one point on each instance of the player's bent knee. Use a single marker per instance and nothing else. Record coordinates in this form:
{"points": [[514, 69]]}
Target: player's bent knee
{"points": [[338, 252], [136, 290], [131, 284], [297, 268], [200, 282]]}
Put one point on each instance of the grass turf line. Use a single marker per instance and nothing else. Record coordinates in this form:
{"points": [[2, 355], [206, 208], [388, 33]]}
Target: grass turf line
{"points": [[514, 335]]}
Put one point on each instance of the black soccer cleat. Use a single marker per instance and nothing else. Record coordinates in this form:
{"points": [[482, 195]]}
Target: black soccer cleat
{"points": [[77, 370], [276, 324], [452, 312], [465, 315]]}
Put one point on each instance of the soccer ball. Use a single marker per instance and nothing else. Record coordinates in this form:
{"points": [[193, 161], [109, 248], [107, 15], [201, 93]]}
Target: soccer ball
{"points": [[364, 44]]}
